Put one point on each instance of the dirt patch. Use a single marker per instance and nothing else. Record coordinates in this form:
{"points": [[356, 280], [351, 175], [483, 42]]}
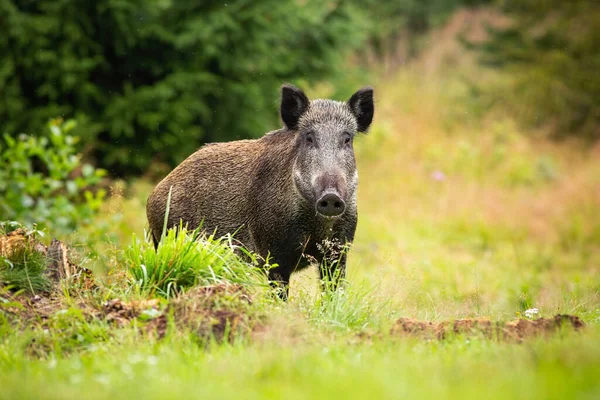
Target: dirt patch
{"points": [[516, 330], [222, 312], [121, 313], [25, 310], [13, 241]]}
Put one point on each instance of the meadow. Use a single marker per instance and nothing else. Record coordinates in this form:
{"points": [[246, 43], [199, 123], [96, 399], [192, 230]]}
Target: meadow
{"points": [[463, 213]]}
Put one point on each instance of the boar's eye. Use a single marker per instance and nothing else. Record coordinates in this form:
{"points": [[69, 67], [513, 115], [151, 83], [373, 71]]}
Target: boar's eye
{"points": [[310, 138], [347, 138]]}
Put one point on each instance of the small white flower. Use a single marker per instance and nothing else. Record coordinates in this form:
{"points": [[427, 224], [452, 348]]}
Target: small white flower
{"points": [[531, 312], [151, 313]]}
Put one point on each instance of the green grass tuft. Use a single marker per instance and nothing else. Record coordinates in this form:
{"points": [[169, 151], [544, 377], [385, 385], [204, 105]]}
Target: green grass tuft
{"points": [[351, 308], [25, 270], [189, 258]]}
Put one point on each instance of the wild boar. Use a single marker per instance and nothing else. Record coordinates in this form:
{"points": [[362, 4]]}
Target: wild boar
{"points": [[289, 195]]}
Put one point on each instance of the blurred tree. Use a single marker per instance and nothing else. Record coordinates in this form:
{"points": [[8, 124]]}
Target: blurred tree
{"points": [[398, 25], [551, 56], [153, 79]]}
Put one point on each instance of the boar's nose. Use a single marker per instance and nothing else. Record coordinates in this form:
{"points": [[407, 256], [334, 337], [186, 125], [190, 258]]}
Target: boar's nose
{"points": [[331, 205]]}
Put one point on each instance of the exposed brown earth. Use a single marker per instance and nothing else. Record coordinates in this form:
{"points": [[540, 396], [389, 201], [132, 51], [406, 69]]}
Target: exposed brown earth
{"points": [[217, 311], [121, 313], [220, 311], [516, 330], [25, 309]]}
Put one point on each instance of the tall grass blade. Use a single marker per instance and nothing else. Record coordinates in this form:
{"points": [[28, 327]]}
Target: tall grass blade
{"points": [[166, 221]]}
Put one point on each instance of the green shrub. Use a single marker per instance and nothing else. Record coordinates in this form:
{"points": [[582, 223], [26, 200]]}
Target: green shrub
{"points": [[43, 182]]}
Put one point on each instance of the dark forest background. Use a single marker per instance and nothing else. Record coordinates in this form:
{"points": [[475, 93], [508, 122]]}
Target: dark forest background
{"points": [[149, 81]]}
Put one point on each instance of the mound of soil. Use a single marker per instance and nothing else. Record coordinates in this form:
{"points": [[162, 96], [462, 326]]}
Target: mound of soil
{"points": [[25, 308], [516, 330], [121, 313], [220, 311]]}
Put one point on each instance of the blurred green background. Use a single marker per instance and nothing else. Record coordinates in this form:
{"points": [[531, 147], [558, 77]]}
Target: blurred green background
{"points": [[149, 81]]}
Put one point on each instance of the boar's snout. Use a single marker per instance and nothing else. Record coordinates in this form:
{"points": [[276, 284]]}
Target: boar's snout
{"points": [[331, 205], [330, 189]]}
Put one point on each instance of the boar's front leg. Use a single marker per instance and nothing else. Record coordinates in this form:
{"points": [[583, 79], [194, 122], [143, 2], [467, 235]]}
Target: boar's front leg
{"points": [[332, 273], [280, 281]]}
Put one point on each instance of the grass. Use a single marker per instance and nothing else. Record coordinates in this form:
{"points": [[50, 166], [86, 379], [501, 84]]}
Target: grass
{"points": [[25, 270], [188, 259], [354, 308], [22, 269], [561, 367], [461, 215]]}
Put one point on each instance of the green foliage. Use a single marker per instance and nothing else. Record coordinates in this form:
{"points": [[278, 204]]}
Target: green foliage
{"points": [[550, 60], [185, 259], [43, 182], [71, 332], [152, 80]]}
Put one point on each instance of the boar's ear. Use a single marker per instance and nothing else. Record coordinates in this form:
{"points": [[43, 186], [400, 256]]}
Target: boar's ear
{"points": [[293, 104], [361, 105]]}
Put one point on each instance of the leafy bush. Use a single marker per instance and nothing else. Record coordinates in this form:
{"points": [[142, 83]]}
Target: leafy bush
{"points": [[185, 259], [42, 181]]}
